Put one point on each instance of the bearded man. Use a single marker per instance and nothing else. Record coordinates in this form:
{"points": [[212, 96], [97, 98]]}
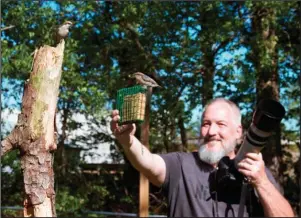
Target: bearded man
{"points": [[184, 177]]}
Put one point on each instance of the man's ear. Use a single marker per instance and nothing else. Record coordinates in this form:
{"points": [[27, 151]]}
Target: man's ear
{"points": [[239, 132]]}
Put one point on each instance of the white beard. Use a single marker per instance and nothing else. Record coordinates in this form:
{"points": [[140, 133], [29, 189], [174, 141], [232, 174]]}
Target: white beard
{"points": [[213, 157]]}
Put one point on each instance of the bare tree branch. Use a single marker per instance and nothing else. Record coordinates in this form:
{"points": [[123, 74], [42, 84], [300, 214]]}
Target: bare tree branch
{"points": [[11, 141], [7, 27], [223, 44], [6, 145]]}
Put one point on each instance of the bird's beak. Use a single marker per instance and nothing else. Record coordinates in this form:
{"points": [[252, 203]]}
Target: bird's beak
{"points": [[71, 24]]}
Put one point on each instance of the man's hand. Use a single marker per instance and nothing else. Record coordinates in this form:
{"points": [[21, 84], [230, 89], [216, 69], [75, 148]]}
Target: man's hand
{"points": [[253, 167], [273, 202], [124, 134]]}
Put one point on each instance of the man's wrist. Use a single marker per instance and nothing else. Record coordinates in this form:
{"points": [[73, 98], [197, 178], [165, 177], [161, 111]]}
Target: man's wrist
{"points": [[262, 184], [131, 142]]}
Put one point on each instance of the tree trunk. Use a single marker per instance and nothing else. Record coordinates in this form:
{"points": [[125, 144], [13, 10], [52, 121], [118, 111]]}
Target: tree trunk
{"points": [[34, 133], [208, 76], [183, 133], [61, 151], [267, 85]]}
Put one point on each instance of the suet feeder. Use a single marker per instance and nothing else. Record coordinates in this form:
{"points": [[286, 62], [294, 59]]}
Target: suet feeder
{"points": [[131, 103]]}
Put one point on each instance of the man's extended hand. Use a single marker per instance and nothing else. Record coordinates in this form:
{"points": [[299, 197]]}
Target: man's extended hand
{"points": [[122, 133], [253, 167]]}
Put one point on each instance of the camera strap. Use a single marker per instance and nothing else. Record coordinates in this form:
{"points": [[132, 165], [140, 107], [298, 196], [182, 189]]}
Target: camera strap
{"points": [[243, 197]]}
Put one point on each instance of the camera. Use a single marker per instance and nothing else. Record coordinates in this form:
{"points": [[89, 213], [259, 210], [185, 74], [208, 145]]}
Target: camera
{"points": [[226, 180], [267, 116]]}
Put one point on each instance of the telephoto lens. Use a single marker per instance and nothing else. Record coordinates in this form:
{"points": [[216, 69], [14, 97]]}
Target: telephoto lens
{"points": [[266, 118]]}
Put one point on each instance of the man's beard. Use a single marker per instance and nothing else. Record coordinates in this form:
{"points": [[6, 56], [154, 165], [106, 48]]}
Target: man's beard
{"points": [[214, 156]]}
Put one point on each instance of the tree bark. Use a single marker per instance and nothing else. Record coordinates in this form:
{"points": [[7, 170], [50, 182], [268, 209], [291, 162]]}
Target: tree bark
{"points": [[183, 133], [267, 84], [208, 77], [61, 151], [34, 133]]}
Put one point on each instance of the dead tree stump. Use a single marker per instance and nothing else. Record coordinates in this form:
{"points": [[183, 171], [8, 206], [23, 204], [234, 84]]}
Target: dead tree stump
{"points": [[34, 134]]}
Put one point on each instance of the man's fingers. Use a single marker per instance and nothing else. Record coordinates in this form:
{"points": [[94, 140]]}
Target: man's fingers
{"points": [[253, 156], [116, 129], [114, 121], [124, 128], [260, 155], [116, 118], [114, 113], [249, 161], [248, 174], [244, 165]]}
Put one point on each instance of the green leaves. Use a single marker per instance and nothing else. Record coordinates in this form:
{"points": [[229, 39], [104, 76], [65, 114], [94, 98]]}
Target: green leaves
{"points": [[67, 203], [185, 45]]}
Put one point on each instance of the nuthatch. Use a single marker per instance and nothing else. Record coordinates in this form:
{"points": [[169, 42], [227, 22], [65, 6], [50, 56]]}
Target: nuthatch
{"points": [[63, 30], [145, 80]]}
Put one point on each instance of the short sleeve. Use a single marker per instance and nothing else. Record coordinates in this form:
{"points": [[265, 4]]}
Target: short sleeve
{"points": [[173, 170]]}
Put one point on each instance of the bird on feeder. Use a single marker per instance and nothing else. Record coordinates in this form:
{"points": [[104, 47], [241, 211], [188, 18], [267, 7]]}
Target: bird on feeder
{"points": [[145, 80]]}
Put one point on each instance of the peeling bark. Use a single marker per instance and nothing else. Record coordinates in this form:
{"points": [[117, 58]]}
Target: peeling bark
{"points": [[267, 84], [34, 133]]}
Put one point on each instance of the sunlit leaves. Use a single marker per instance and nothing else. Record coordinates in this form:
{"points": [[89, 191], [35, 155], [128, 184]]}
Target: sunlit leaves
{"points": [[176, 42]]}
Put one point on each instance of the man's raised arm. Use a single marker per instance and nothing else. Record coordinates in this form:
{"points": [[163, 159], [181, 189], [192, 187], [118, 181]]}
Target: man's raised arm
{"points": [[151, 165]]}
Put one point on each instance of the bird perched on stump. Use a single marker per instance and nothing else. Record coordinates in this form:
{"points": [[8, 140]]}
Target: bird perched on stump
{"points": [[145, 80], [62, 31]]}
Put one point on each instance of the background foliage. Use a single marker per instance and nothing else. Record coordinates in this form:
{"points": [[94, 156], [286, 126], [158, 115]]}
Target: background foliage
{"points": [[195, 50]]}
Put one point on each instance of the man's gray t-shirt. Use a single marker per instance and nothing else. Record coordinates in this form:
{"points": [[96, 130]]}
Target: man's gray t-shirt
{"points": [[186, 186]]}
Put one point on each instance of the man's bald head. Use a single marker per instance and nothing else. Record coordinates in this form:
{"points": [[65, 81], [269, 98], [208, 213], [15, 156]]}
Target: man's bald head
{"points": [[232, 106]]}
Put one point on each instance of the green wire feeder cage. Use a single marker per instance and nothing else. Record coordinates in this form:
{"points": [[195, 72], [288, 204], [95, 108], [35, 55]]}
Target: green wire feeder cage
{"points": [[131, 104]]}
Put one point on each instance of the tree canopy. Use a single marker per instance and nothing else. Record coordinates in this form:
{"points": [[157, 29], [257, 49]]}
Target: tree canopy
{"points": [[195, 50]]}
